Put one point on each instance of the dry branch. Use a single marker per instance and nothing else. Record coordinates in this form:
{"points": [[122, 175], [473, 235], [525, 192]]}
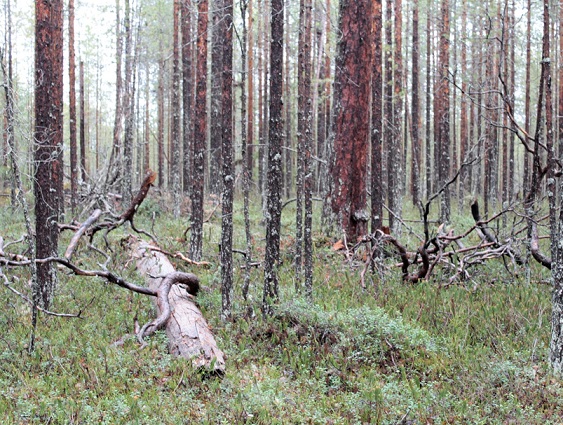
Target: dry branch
{"points": [[129, 213], [80, 232], [535, 248], [489, 236]]}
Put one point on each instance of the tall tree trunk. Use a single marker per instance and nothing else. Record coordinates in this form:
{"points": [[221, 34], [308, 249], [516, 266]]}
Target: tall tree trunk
{"points": [[443, 110], [323, 100], [244, 146], [512, 87], [48, 141], [250, 90], [527, 107], [275, 137], [560, 82], [464, 182], [429, 89], [82, 125], [304, 125], [72, 109], [227, 153], [160, 122], [17, 192], [415, 106], [398, 141], [556, 223], [200, 136], [10, 147], [288, 110], [263, 166], [176, 111], [490, 193], [351, 117], [377, 195], [215, 113], [115, 158], [129, 102], [307, 138], [389, 141], [187, 93], [147, 138], [261, 94]]}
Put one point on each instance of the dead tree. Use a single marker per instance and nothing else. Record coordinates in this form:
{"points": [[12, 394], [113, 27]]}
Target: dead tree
{"points": [[188, 333]]}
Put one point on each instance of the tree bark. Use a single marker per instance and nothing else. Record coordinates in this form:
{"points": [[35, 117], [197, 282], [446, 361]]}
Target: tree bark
{"points": [[250, 77], [415, 110], [389, 142], [464, 178], [397, 165], [556, 224], [527, 107], [227, 153], [304, 126], [215, 113], [82, 124], [72, 108], [442, 94], [429, 89], [200, 136], [160, 122], [351, 114], [129, 107], [377, 195], [187, 93], [115, 158], [176, 111], [244, 145], [48, 139], [275, 138]]}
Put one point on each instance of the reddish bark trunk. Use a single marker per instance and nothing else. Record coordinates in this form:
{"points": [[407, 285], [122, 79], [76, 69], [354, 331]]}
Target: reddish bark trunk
{"points": [[200, 135], [49, 140], [442, 94], [72, 108], [388, 134], [351, 112], [187, 93]]}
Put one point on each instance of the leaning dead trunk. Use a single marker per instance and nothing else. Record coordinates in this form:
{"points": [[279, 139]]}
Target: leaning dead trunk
{"points": [[188, 333]]}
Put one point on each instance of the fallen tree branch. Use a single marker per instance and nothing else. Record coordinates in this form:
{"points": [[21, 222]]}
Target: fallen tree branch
{"points": [[24, 297], [179, 255], [80, 232], [408, 277], [535, 248], [129, 214]]}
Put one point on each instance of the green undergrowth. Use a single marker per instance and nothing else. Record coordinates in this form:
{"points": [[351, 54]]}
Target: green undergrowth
{"points": [[389, 353]]}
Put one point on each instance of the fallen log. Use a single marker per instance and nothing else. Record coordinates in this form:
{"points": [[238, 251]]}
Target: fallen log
{"points": [[188, 333]]}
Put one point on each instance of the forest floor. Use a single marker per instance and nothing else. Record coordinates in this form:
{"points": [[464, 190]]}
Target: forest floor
{"points": [[392, 353]]}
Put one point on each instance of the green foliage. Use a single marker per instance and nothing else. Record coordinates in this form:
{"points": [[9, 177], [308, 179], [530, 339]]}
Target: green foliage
{"points": [[388, 353]]}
